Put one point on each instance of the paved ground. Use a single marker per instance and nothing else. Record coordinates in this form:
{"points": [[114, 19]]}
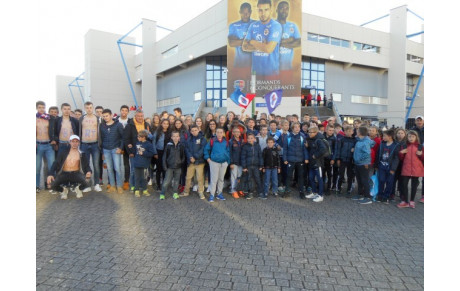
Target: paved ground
{"points": [[119, 242]]}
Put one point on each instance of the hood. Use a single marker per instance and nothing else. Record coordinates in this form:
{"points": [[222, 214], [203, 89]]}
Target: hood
{"points": [[241, 126]]}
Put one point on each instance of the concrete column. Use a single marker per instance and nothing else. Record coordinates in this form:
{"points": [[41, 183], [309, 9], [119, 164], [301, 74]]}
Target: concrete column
{"points": [[396, 109], [149, 78]]}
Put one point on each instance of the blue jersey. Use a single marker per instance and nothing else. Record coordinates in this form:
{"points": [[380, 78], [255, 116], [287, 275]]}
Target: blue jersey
{"points": [[265, 63], [287, 54], [239, 30]]}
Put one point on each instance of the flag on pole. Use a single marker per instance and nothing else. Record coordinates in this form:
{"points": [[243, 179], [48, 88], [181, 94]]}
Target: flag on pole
{"points": [[240, 99], [273, 99]]}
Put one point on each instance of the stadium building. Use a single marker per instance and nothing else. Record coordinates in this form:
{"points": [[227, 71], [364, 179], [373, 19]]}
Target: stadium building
{"points": [[368, 73]]}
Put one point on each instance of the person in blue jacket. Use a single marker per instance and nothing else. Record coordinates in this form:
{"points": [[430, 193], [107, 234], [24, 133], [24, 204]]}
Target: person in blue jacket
{"points": [[387, 163], [316, 151], [217, 153], [295, 156], [194, 150], [252, 163], [362, 160], [344, 158], [144, 151]]}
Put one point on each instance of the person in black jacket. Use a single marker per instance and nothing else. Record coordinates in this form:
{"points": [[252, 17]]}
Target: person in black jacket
{"points": [[272, 167], [252, 163], [173, 158], [65, 126], [144, 153], [317, 149], [344, 159], [388, 161], [44, 141], [71, 166], [194, 151], [330, 171]]}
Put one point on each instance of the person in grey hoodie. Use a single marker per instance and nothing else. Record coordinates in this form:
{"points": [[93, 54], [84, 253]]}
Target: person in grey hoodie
{"points": [[362, 160]]}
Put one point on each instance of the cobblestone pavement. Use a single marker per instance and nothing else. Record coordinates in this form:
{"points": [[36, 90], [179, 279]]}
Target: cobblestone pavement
{"points": [[119, 242]]}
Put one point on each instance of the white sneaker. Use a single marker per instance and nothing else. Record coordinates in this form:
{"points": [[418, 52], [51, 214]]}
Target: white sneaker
{"points": [[195, 188], [87, 189], [312, 195], [53, 192], [64, 193], [78, 191], [97, 188], [318, 199], [150, 182]]}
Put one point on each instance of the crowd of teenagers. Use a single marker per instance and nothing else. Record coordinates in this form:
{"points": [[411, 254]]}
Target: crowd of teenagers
{"points": [[258, 156]]}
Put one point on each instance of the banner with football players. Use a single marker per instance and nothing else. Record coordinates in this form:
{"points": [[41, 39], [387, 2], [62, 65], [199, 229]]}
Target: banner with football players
{"points": [[264, 48]]}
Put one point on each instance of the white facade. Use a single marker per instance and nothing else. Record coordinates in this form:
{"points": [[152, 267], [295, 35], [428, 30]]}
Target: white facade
{"points": [[63, 94]]}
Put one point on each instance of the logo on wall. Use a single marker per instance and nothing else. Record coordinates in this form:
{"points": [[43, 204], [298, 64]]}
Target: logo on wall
{"points": [[238, 84]]}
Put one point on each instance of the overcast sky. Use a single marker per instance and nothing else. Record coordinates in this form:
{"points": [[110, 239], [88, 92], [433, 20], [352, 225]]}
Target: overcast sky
{"points": [[62, 25]]}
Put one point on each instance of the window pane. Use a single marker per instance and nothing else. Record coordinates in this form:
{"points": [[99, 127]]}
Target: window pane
{"points": [[337, 97], [217, 75], [307, 65], [305, 83], [209, 94], [314, 66], [305, 74], [314, 84], [208, 84], [224, 75], [216, 84], [217, 94], [314, 75], [321, 67], [224, 94], [209, 75], [324, 39], [313, 37], [335, 41], [320, 76], [321, 85], [357, 46], [345, 43], [224, 83], [224, 103]]}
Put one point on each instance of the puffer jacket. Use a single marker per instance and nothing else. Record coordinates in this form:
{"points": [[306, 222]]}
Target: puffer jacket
{"points": [[195, 148], [294, 150], [174, 156], [251, 155], [317, 148], [362, 153], [412, 165], [235, 151], [343, 151]]}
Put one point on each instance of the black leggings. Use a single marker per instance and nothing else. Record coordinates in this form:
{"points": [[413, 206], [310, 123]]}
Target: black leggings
{"points": [[160, 171], [413, 188]]}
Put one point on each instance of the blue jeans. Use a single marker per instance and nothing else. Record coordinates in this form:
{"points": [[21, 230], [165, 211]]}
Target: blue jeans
{"points": [[62, 147], [172, 177], [93, 150], [113, 161], [47, 151], [318, 173], [386, 181], [271, 175]]}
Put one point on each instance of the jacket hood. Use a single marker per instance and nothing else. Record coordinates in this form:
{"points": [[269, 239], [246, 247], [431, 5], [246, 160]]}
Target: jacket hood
{"points": [[241, 126]]}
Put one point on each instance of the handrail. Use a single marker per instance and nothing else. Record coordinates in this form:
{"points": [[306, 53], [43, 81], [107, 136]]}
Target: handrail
{"points": [[198, 108], [336, 112]]}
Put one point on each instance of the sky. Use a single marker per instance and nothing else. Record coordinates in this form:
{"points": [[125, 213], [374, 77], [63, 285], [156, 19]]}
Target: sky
{"points": [[63, 24]]}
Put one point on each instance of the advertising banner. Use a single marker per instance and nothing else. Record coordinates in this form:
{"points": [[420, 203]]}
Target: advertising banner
{"points": [[264, 47]]}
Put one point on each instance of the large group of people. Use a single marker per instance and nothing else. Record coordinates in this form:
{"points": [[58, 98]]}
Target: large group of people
{"points": [[256, 156]]}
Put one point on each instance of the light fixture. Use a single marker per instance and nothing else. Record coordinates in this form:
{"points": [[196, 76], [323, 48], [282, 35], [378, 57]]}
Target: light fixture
{"points": [[190, 57], [331, 57]]}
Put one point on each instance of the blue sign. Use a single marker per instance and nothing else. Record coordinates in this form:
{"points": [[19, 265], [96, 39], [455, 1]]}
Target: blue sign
{"points": [[261, 105]]}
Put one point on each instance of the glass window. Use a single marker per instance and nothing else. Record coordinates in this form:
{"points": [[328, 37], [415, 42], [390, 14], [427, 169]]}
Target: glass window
{"points": [[216, 84], [320, 85], [345, 43], [209, 84], [224, 74], [216, 75], [324, 39], [312, 37], [337, 97], [224, 83], [335, 41], [320, 76], [209, 75], [314, 84], [321, 67], [224, 103], [224, 93], [314, 75], [216, 93], [197, 96], [209, 94], [357, 46], [305, 83], [314, 66]]}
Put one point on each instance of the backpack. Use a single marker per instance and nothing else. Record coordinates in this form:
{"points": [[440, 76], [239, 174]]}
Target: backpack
{"points": [[212, 142], [328, 146], [289, 140]]}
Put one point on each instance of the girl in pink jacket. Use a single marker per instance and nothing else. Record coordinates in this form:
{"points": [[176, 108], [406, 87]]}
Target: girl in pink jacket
{"points": [[411, 156]]}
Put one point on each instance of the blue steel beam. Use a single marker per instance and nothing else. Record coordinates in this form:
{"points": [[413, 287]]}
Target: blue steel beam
{"points": [[128, 43], [71, 94], [127, 74], [415, 14], [375, 20], [123, 37], [415, 94], [164, 28], [415, 34]]}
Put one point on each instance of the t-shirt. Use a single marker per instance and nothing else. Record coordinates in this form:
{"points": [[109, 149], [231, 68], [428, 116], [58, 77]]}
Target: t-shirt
{"points": [[239, 29], [385, 158], [265, 64], [123, 121], [287, 54]]}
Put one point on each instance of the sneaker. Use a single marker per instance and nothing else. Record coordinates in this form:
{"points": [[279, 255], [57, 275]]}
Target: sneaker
{"points": [[403, 204], [181, 188], [422, 200], [183, 194], [175, 196], [162, 197], [146, 193], [311, 196], [263, 196], [280, 189], [97, 188], [249, 196], [211, 198], [195, 188], [111, 190], [120, 190], [86, 190], [137, 194], [412, 204], [52, 192], [126, 185], [385, 201], [318, 199], [108, 186], [235, 195], [241, 194], [131, 190], [201, 195], [309, 190], [38, 189], [78, 191], [365, 201], [64, 193], [275, 194], [357, 198], [221, 197], [150, 183]]}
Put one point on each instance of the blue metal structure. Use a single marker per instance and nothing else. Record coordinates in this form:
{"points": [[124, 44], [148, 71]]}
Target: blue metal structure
{"points": [[369, 22], [414, 95], [408, 10], [415, 34], [71, 84]]}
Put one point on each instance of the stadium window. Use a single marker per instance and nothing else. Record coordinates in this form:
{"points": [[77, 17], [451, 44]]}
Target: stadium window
{"points": [[312, 37], [324, 39], [335, 41]]}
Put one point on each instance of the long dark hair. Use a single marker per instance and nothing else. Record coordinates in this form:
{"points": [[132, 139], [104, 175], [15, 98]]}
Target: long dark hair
{"points": [[159, 130], [208, 132]]}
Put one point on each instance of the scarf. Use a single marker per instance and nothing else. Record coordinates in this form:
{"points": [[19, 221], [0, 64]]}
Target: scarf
{"points": [[43, 116], [139, 126]]}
